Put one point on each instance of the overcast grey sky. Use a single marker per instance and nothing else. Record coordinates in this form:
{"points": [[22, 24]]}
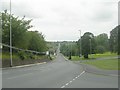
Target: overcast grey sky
{"points": [[61, 19]]}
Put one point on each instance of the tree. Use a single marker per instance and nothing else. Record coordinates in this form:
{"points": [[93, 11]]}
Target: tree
{"points": [[64, 48], [88, 44], [52, 47], [102, 43], [69, 48], [36, 41], [114, 39], [19, 28], [100, 49], [21, 37], [74, 49]]}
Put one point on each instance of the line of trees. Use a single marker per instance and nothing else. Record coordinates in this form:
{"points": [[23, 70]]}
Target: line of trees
{"points": [[91, 44], [114, 40], [21, 36]]}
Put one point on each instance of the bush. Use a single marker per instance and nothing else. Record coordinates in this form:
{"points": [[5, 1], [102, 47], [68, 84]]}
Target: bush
{"points": [[22, 55]]}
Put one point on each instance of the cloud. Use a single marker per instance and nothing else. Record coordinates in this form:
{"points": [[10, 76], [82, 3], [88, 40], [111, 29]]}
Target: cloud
{"points": [[105, 12], [61, 19]]}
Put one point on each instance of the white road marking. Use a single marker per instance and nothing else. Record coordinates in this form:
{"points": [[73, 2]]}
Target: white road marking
{"points": [[82, 73], [62, 86], [66, 84], [20, 76], [76, 77], [26, 65], [72, 80]]}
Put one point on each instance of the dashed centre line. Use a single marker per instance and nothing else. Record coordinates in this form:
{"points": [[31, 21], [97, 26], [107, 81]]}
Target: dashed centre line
{"points": [[66, 84], [73, 80], [62, 86], [70, 82]]}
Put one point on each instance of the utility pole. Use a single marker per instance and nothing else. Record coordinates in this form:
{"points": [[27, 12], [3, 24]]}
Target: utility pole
{"points": [[10, 38], [80, 45]]}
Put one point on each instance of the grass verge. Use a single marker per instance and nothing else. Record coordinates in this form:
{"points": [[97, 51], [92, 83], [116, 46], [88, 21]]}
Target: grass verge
{"points": [[94, 56], [107, 54], [111, 64]]}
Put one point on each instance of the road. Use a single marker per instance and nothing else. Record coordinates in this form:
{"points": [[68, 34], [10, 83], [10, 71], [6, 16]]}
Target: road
{"points": [[60, 73]]}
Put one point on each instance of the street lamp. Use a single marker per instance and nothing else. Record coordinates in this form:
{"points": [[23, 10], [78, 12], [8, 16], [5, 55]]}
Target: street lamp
{"points": [[80, 45], [10, 38], [90, 44], [70, 50]]}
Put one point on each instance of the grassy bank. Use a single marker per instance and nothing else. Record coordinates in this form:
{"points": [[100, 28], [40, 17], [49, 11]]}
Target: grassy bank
{"points": [[17, 60], [111, 64]]}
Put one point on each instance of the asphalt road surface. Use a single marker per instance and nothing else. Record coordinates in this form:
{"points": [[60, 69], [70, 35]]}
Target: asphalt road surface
{"points": [[59, 73]]}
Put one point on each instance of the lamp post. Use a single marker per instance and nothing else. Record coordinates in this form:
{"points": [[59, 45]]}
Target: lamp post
{"points": [[80, 45], [70, 50], [90, 45], [10, 38]]}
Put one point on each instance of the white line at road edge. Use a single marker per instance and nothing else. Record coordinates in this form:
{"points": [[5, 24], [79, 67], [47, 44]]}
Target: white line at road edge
{"points": [[20, 76], [62, 86], [26, 65], [64, 57], [73, 79]]}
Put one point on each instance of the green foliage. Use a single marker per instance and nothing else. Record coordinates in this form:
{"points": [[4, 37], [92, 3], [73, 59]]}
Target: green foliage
{"points": [[22, 55], [36, 41], [19, 29], [100, 49], [69, 48], [52, 47], [102, 43], [7, 56], [74, 49], [114, 39], [88, 44], [21, 38], [64, 49]]}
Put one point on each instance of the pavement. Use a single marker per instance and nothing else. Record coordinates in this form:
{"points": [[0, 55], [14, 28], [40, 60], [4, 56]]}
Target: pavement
{"points": [[60, 73]]}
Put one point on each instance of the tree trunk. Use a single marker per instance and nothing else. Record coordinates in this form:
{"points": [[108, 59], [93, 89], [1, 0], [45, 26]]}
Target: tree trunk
{"points": [[86, 55]]}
